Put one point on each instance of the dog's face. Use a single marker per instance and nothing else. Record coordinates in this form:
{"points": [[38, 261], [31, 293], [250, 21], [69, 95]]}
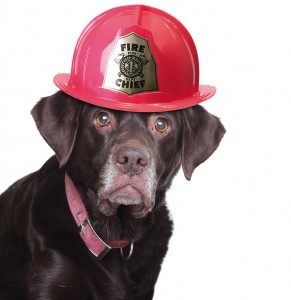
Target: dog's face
{"points": [[137, 155], [126, 158]]}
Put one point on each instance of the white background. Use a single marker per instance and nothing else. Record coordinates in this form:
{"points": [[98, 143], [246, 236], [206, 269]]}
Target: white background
{"points": [[232, 237]]}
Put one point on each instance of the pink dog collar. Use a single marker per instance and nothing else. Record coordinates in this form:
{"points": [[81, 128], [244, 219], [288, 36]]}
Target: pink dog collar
{"points": [[91, 239]]}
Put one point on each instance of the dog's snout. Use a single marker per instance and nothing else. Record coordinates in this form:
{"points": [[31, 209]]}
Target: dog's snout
{"points": [[132, 160]]}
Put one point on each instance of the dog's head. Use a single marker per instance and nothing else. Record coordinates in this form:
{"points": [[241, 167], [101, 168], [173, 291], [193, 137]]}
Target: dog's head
{"points": [[125, 158]]}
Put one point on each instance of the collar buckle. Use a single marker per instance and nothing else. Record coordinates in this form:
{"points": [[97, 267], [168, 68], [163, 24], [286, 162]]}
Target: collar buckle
{"points": [[94, 243]]}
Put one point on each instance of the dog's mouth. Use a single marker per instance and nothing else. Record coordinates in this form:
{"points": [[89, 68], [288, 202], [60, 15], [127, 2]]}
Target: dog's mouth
{"points": [[128, 196]]}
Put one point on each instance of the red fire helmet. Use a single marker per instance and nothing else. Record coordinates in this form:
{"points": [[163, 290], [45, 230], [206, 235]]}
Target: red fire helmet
{"points": [[135, 58]]}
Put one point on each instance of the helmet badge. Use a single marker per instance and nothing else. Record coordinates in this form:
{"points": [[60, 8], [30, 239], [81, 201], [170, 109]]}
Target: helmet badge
{"points": [[131, 68]]}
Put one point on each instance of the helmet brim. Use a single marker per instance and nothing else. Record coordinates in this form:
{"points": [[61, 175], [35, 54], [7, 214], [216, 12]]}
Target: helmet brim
{"points": [[62, 81]]}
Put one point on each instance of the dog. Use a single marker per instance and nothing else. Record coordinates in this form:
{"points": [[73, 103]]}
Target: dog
{"points": [[105, 185]]}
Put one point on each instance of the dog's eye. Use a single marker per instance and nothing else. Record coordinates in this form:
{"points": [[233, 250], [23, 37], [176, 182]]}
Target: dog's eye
{"points": [[102, 119], [162, 125]]}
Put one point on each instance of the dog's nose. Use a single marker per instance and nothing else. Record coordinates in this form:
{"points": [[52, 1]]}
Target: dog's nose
{"points": [[132, 160]]}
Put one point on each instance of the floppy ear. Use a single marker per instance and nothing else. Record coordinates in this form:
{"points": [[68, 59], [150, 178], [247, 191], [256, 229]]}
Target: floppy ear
{"points": [[57, 119], [201, 136]]}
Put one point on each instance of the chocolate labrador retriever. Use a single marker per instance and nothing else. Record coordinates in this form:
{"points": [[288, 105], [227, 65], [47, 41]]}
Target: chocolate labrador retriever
{"points": [[92, 223]]}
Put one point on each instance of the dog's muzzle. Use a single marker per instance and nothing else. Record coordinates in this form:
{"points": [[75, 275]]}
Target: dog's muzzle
{"points": [[128, 178]]}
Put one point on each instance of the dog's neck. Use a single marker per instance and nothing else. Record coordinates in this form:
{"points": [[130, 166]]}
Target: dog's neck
{"points": [[91, 239]]}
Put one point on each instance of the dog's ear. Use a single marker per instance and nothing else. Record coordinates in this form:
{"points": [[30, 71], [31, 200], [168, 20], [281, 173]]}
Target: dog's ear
{"points": [[202, 134], [57, 119]]}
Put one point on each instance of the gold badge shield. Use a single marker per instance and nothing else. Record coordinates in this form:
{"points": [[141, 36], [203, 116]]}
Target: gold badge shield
{"points": [[131, 68]]}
